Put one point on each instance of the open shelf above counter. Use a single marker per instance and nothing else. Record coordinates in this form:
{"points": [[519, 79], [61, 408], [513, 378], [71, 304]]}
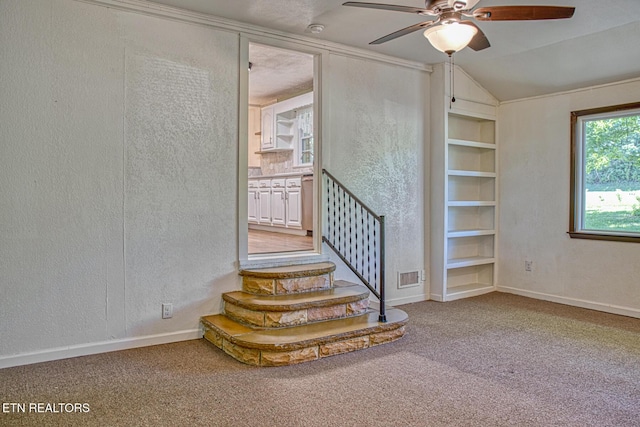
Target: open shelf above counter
{"points": [[274, 150]]}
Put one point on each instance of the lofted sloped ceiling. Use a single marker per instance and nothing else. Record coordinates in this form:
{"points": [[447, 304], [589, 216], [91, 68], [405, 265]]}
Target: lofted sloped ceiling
{"points": [[600, 44]]}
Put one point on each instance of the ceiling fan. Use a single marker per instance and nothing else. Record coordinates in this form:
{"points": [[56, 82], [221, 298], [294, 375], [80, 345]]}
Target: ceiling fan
{"points": [[451, 31]]}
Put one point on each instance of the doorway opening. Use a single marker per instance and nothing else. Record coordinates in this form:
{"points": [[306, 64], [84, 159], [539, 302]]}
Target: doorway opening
{"points": [[281, 151]]}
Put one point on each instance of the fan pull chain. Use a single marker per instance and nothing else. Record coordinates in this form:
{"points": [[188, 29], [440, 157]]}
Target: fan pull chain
{"points": [[452, 84]]}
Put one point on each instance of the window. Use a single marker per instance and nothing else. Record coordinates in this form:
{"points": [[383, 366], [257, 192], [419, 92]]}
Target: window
{"points": [[605, 173], [304, 143]]}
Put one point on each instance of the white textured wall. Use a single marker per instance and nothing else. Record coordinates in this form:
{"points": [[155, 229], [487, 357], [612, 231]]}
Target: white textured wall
{"points": [[534, 155], [118, 154], [118, 173], [376, 147]]}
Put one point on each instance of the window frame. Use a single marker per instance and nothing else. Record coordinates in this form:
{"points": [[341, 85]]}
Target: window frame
{"points": [[576, 214]]}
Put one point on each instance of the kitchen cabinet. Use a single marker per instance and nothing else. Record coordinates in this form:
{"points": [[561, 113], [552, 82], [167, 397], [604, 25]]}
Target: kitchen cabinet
{"points": [[278, 202], [252, 205], [294, 202], [264, 201], [275, 204], [267, 140]]}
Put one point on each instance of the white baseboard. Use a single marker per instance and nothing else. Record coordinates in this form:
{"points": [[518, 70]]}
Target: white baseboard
{"points": [[407, 300], [607, 308], [98, 347], [375, 304]]}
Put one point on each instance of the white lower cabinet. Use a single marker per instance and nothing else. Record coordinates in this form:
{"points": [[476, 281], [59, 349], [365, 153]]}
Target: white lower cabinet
{"points": [[252, 204], [294, 203], [276, 203], [264, 201]]}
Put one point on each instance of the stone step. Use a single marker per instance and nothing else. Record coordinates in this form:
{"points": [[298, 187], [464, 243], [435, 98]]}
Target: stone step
{"points": [[288, 279], [297, 344], [345, 299]]}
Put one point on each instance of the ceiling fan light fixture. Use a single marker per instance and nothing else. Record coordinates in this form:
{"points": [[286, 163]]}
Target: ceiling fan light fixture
{"points": [[450, 38]]}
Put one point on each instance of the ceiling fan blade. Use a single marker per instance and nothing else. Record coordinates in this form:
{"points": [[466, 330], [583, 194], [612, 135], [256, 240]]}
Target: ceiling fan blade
{"points": [[522, 13], [403, 32], [383, 6], [479, 41]]}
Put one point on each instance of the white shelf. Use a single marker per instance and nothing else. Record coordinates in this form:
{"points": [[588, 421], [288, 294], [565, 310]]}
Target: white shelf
{"points": [[464, 161], [477, 174], [285, 121], [474, 144], [284, 135], [460, 203], [274, 150], [469, 290], [469, 262], [470, 233]]}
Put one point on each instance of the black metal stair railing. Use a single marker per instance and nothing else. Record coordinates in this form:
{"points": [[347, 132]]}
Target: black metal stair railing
{"points": [[356, 234]]}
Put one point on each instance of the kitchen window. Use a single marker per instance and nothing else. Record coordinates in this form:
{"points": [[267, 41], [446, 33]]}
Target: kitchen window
{"points": [[304, 146], [605, 173]]}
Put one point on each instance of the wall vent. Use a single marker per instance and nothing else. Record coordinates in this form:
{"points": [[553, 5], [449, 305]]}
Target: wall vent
{"points": [[408, 279]]}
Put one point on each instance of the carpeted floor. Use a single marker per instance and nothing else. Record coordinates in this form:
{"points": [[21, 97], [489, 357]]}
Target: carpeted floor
{"points": [[494, 360]]}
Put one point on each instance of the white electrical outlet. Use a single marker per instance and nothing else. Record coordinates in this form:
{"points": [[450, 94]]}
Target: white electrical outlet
{"points": [[528, 265], [167, 311]]}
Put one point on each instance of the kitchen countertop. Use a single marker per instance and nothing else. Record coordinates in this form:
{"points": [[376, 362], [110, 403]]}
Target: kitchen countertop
{"points": [[281, 175]]}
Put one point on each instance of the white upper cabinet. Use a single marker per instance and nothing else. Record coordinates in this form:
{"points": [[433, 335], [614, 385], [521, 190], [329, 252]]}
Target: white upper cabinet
{"points": [[267, 141]]}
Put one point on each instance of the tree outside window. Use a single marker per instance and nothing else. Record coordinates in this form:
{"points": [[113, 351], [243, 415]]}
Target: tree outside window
{"points": [[605, 200]]}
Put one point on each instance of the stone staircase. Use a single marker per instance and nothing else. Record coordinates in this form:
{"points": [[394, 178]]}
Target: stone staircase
{"points": [[296, 314]]}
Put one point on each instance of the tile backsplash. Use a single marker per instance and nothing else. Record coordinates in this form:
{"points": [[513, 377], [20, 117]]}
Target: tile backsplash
{"points": [[279, 162]]}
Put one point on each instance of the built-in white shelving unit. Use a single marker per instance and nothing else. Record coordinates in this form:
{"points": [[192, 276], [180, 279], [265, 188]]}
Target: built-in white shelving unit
{"points": [[464, 214]]}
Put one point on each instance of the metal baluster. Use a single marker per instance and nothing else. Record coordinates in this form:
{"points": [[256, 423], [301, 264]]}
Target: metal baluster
{"points": [[350, 233], [375, 258], [368, 250], [355, 219], [362, 233], [383, 315], [333, 240], [328, 201], [339, 215]]}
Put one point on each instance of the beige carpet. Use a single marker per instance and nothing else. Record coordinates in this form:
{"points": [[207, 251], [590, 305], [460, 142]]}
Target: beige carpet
{"points": [[495, 360]]}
